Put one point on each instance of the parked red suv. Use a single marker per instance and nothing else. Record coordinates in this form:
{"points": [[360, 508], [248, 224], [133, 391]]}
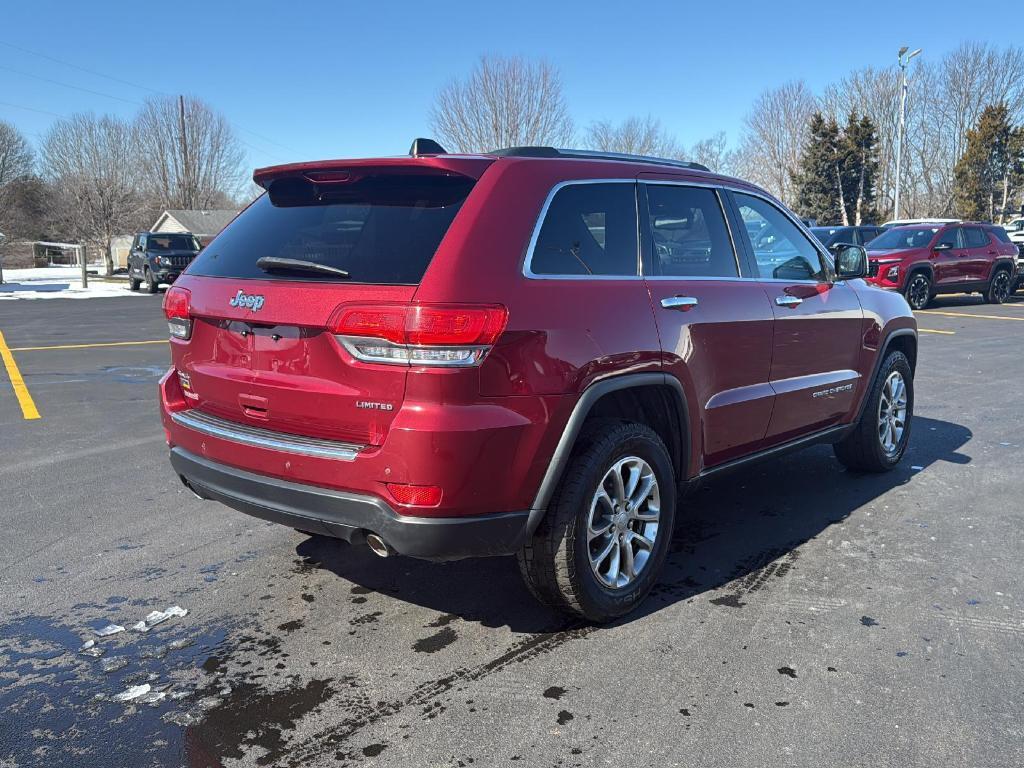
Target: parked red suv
{"points": [[923, 260], [523, 352]]}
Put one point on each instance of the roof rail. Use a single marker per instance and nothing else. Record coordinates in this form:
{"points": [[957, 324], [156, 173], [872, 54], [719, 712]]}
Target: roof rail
{"points": [[594, 155]]}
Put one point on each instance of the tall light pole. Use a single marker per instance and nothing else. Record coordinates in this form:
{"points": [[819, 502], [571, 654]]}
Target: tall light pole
{"points": [[904, 59]]}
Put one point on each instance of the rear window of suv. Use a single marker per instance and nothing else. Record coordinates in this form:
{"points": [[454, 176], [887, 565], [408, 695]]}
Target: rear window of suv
{"points": [[381, 229]]}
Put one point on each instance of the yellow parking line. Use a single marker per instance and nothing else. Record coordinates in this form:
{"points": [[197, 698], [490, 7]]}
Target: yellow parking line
{"points": [[28, 406], [88, 346], [932, 330], [965, 314]]}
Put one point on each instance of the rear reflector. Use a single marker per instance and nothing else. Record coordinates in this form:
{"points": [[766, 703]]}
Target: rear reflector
{"points": [[177, 308], [419, 334], [415, 495]]}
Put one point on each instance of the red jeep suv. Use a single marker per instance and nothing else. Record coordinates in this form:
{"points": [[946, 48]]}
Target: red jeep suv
{"points": [[923, 260], [526, 352]]}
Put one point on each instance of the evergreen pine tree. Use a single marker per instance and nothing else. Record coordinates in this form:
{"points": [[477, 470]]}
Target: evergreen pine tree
{"points": [[983, 173], [818, 174], [860, 170]]}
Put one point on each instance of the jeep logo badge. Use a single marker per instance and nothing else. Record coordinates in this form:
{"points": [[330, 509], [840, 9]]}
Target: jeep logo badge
{"points": [[248, 301]]}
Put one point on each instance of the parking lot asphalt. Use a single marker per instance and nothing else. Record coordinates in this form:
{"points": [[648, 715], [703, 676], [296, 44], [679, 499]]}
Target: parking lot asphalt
{"points": [[809, 616]]}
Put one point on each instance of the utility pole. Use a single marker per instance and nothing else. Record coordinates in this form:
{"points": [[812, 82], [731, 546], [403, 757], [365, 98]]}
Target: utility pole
{"points": [[904, 60], [186, 168], [85, 269], [1, 260]]}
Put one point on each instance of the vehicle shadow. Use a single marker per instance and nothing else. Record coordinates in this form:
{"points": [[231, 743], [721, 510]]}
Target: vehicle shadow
{"points": [[736, 530], [953, 300]]}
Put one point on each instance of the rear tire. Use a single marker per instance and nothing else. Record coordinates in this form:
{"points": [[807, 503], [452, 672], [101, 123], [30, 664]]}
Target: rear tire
{"points": [[133, 284], [879, 439], [918, 291], [599, 551], [999, 288], [151, 284]]}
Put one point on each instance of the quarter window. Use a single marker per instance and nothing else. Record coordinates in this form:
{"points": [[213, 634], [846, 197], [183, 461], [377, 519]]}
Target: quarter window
{"points": [[781, 250], [690, 238], [589, 229]]}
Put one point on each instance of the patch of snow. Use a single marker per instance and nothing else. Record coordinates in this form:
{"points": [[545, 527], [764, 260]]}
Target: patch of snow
{"points": [[59, 283]]}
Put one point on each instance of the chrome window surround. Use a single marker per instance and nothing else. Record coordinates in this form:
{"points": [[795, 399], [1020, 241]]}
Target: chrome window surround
{"points": [[256, 437], [719, 189]]}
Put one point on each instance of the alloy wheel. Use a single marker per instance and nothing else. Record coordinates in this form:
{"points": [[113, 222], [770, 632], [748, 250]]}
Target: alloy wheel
{"points": [[917, 294], [1001, 286], [622, 523], [892, 413]]}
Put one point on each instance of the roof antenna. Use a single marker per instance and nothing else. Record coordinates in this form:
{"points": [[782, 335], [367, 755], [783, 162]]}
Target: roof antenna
{"points": [[426, 147]]}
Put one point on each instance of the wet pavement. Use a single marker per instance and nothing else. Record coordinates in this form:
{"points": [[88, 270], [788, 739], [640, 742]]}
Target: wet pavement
{"points": [[808, 616]]}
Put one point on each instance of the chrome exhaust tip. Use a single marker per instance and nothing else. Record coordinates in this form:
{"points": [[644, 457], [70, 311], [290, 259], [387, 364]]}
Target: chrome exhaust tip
{"points": [[377, 545]]}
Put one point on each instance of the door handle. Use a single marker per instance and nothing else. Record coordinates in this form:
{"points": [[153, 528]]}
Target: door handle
{"points": [[788, 301], [682, 303]]}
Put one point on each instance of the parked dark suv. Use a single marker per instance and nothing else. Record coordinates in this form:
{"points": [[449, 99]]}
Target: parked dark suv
{"points": [[159, 257], [924, 260], [859, 235], [523, 352]]}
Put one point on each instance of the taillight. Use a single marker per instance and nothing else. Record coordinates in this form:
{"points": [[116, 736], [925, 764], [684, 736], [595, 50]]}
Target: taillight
{"points": [[419, 334], [177, 308]]}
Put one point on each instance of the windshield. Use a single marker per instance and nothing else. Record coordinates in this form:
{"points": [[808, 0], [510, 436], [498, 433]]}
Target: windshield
{"points": [[172, 243], [903, 238]]}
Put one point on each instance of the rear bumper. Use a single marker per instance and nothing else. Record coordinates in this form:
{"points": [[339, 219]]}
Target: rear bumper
{"points": [[350, 516]]}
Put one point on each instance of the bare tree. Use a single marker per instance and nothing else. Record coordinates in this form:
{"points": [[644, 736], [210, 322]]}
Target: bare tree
{"points": [[93, 163], [190, 154], [505, 102], [776, 127], [633, 136], [16, 161], [714, 153]]}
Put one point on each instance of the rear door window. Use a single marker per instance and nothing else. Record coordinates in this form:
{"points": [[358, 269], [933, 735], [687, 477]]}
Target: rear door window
{"points": [[381, 229], [975, 237], [688, 232], [589, 229]]}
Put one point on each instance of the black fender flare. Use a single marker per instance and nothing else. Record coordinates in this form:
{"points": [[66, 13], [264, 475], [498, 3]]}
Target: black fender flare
{"points": [[920, 266], [1003, 262], [560, 458]]}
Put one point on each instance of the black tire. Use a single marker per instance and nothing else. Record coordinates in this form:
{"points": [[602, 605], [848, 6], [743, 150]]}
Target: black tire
{"points": [[151, 284], [999, 288], [918, 291], [862, 449], [556, 561], [133, 284]]}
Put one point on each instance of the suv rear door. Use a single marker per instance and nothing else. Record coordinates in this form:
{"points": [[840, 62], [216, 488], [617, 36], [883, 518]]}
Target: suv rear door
{"points": [[262, 351], [815, 368], [715, 325]]}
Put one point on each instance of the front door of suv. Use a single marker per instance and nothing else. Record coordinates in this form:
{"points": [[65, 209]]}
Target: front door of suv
{"points": [[815, 370], [715, 325], [979, 254]]}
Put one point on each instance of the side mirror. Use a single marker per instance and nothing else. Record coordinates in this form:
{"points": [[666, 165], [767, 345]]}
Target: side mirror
{"points": [[851, 261], [942, 247]]}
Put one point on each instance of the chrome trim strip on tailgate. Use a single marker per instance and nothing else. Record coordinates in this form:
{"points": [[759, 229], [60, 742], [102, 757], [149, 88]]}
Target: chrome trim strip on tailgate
{"points": [[264, 438]]}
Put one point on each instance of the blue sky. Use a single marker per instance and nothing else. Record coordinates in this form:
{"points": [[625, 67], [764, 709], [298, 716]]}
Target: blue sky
{"points": [[306, 80]]}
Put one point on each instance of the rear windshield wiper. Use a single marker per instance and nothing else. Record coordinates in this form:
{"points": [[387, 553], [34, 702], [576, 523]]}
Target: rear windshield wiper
{"points": [[271, 263]]}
